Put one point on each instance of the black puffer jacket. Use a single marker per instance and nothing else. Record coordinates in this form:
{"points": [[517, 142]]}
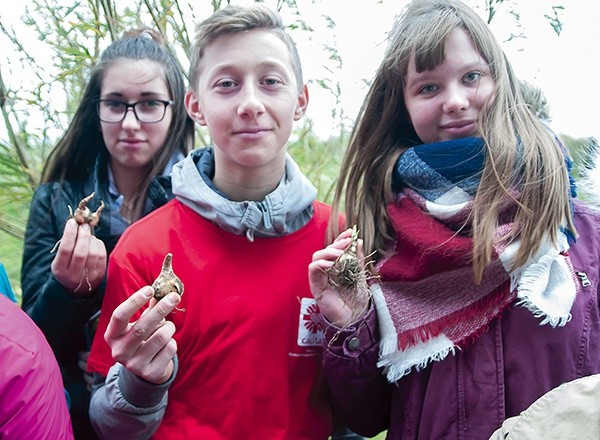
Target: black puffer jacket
{"points": [[62, 317]]}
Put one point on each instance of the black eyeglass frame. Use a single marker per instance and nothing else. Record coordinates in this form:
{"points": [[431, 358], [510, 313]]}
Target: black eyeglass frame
{"points": [[128, 105]]}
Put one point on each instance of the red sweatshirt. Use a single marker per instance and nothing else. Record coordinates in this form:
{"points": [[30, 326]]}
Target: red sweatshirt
{"points": [[249, 334]]}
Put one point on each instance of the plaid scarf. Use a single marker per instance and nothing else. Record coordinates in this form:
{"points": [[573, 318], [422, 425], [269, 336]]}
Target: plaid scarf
{"points": [[427, 302]]}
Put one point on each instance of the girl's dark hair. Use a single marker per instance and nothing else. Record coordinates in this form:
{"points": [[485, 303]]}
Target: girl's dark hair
{"points": [[75, 154]]}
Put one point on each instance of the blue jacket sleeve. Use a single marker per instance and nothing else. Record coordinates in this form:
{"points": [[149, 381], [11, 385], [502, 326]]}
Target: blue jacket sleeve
{"points": [[5, 288]]}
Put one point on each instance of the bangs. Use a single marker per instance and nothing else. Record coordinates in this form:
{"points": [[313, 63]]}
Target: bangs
{"points": [[423, 36], [429, 47]]}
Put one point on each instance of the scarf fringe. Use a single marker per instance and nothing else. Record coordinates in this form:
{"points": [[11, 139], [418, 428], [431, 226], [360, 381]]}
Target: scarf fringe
{"points": [[399, 364], [388, 335], [490, 306], [554, 321], [547, 284]]}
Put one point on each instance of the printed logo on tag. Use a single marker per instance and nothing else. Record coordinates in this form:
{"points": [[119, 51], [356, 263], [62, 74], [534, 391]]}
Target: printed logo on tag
{"points": [[310, 327]]}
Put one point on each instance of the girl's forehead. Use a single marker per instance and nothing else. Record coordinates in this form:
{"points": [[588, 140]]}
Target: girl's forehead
{"points": [[134, 72], [431, 51]]}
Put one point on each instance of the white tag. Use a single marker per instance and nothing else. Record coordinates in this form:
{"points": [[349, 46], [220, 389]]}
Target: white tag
{"points": [[310, 325]]}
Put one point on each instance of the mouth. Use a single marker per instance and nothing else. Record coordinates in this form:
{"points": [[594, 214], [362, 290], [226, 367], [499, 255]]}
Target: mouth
{"points": [[250, 130], [459, 128], [131, 141], [251, 133]]}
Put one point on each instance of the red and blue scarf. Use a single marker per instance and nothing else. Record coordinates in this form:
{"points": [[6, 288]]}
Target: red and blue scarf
{"points": [[427, 302]]}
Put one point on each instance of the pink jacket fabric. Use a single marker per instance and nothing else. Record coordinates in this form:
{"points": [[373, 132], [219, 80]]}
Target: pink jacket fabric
{"points": [[32, 397]]}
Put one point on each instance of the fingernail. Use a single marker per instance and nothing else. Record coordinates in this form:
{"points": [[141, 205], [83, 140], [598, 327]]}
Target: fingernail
{"points": [[148, 292], [85, 227], [172, 299]]}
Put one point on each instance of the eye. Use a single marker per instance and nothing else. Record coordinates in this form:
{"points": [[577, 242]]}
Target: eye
{"points": [[427, 89], [472, 77], [151, 103], [226, 84], [272, 82], [113, 105]]}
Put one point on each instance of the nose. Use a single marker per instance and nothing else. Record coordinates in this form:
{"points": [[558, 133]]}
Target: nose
{"points": [[251, 103], [130, 122], [456, 99]]}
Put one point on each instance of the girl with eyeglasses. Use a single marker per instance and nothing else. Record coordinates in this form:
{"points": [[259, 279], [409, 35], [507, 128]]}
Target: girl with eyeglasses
{"points": [[130, 127]]}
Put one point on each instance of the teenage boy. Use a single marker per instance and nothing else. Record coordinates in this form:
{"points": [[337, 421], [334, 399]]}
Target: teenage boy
{"points": [[237, 356]]}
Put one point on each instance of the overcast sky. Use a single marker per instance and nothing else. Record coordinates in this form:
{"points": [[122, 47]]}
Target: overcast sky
{"points": [[566, 67]]}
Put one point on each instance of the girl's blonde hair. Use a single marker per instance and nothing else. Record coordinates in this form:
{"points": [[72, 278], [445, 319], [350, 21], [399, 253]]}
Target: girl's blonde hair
{"points": [[383, 132]]}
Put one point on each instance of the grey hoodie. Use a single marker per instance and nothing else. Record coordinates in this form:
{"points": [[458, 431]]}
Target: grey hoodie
{"points": [[285, 210]]}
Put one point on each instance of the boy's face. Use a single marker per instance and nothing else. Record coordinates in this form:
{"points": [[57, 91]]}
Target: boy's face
{"points": [[248, 98]]}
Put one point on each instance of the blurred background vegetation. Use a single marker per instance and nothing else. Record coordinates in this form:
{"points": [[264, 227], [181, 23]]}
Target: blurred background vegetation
{"points": [[72, 33]]}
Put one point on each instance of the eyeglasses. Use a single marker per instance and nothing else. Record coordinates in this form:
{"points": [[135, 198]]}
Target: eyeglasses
{"points": [[148, 110]]}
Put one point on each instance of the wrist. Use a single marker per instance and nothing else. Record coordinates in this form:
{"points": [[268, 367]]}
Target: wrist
{"points": [[340, 313], [167, 376]]}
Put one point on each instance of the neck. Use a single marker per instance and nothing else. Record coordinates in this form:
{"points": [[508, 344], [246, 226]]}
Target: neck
{"points": [[253, 186], [127, 180]]}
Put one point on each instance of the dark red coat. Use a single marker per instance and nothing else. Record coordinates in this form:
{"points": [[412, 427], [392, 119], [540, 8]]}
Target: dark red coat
{"points": [[470, 394]]}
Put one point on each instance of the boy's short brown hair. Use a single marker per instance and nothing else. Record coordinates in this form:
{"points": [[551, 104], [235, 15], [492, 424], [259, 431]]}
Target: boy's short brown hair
{"points": [[237, 19]]}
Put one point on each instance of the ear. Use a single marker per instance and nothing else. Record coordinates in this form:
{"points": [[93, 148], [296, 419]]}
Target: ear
{"points": [[302, 103], [192, 105]]}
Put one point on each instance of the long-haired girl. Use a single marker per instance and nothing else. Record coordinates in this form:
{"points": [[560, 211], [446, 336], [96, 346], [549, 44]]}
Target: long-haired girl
{"points": [[480, 299], [129, 128]]}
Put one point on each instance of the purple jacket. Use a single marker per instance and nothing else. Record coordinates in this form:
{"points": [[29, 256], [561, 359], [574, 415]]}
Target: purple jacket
{"points": [[32, 398], [468, 395]]}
